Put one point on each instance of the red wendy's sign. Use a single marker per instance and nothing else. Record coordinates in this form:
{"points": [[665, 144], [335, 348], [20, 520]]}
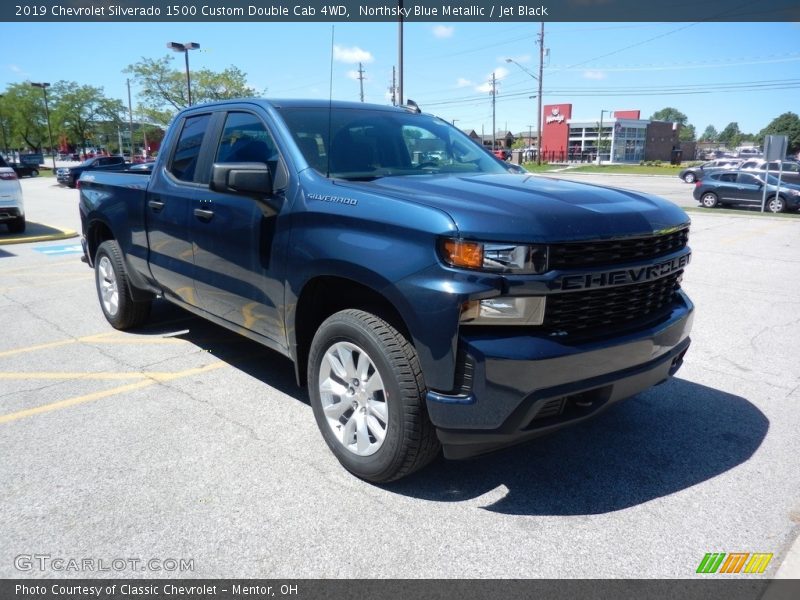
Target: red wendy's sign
{"points": [[555, 129]]}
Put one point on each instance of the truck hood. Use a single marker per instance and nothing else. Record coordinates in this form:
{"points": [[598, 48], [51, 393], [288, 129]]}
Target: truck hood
{"points": [[529, 208]]}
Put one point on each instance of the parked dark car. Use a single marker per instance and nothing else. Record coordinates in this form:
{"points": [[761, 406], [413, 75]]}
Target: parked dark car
{"points": [[739, 187], [23, 170], [692, 174], [70, 175], [789, 170]]}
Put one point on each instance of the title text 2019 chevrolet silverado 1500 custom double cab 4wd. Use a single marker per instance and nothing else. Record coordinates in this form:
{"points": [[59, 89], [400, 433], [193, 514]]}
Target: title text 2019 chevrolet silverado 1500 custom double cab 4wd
{"points": [[427, 302]]}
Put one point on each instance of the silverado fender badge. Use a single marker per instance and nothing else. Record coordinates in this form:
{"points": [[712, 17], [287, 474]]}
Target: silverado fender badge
{"points": [[335, 199]]}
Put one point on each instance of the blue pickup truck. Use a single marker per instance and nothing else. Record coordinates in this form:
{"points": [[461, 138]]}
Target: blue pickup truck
{"points": [[429, 299]]}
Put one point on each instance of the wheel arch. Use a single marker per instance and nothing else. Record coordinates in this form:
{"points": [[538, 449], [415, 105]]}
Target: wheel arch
{"points": [[325, 295]]}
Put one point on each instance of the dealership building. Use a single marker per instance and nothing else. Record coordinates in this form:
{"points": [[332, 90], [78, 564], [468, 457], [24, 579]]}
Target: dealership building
{"points": [[623, 137]]}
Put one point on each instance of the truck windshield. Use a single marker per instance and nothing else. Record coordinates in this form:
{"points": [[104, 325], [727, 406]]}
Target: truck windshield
{"points": [[364, 144]]}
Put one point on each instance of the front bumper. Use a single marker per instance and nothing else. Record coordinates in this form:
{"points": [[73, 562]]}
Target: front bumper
{"points": [[518, 387]]}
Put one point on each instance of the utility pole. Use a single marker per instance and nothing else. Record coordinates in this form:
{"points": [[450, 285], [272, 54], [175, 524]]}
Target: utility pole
{"points": [[494, 129], [361, 80], [393, 89], [539, 114], [130, 114], [400, 54]]}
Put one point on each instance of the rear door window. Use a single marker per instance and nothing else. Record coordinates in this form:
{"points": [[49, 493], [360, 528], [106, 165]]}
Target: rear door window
{"points": [[187, 151]]}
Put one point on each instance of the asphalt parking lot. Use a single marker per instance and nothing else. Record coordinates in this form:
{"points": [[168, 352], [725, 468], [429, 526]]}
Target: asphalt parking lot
{"points": [[182, 441]]}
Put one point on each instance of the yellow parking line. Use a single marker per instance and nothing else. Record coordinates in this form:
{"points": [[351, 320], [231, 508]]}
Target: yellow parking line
{"points": [[151, 380], [47, 283], [62, 234], [54, 344], [43, 267], [100, 376], [760, 231], [100, 338]]}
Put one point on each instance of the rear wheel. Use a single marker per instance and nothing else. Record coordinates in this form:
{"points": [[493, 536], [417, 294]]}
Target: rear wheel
{"points": [[689, 177], [34, 173], [709, 200], [17, 225], [368, 397], [776, 204], [113, 291]]}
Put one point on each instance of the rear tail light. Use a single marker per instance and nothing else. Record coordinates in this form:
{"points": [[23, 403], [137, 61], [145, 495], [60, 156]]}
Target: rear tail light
{"points": [[697, 183], [8, 176]]}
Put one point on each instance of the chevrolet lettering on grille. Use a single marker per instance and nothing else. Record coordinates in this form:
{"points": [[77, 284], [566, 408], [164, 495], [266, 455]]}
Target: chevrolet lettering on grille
{"points": [[624, 276]]}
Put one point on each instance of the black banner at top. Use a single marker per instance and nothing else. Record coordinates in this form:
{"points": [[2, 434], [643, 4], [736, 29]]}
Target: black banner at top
{"points": [[392, 10]]}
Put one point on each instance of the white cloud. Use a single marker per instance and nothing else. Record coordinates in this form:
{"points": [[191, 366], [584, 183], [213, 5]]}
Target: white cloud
{"points": [[484, 87], [594, 75], [443, 31], [352, 55], [500, 73], [352, 75], [464, 82]]}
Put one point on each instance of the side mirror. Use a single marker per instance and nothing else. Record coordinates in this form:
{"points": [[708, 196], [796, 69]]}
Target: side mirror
{"points": [[252, 178]]}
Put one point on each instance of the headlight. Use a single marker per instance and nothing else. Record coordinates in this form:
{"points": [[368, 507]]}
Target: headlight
{"points": [[504, 310], [497, 258]]}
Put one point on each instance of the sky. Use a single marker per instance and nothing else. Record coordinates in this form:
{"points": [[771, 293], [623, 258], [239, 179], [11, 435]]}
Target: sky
{"points": [[715, 73]]}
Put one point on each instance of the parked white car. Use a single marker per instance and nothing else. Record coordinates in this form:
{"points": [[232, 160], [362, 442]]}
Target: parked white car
{"points": [[12, 209]]}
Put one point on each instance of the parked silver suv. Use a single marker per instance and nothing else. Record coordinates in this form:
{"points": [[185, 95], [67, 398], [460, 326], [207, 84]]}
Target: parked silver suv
{"points": [[12, 209]]}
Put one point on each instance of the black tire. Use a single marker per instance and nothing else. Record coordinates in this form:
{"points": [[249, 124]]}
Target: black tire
{"points": [[117, 304], [709, 200], [690, 177], [34, 173], [17, 225], [409, 439], [776, 204]]}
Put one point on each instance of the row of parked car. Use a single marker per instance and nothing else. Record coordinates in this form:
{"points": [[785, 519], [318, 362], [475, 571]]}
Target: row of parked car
{"points": [[12, 209], [728, 181]]}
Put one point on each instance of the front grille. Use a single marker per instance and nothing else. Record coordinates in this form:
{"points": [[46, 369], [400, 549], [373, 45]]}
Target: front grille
{"points": [[592, 310], [573, 255]]}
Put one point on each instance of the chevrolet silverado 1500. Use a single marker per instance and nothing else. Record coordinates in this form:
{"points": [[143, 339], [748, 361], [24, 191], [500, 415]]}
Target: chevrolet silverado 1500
{"points": [[428, 298]]}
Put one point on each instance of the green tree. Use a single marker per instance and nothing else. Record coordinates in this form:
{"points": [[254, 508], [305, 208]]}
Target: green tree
{"points": [[730, 136], [787, 124], [82, 111], [5, 122], [673, 115], [687, 133], [26, 118], [710, 134], [163, 88]]}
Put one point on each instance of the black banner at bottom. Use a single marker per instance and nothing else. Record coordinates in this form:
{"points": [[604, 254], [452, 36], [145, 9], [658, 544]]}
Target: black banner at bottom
{"points": [[398, 589]]}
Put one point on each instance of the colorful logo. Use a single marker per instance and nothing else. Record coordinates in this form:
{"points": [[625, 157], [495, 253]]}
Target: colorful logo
{"points": [[735, 562]]}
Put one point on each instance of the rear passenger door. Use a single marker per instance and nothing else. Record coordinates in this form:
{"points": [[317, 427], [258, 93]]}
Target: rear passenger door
{"points": [[169, 203], [238, 240]]}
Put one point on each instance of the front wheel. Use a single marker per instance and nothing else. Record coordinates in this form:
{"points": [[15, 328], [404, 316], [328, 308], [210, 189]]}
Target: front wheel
{"points": [[689, 177], [776, 204], [368, 397], [113, 291], [709, 200]]}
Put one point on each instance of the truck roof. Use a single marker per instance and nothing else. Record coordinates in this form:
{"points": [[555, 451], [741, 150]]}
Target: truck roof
{"points": [[279, 103]]}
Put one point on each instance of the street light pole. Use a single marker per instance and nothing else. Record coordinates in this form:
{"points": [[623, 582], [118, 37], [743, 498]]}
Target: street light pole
{"points": [[3, 127], [185, 49], [44, 87], [600, 134]]}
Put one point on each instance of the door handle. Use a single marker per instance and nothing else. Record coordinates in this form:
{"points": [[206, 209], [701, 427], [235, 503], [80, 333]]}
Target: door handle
{"points": [[156, 205], [203, 214]]}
